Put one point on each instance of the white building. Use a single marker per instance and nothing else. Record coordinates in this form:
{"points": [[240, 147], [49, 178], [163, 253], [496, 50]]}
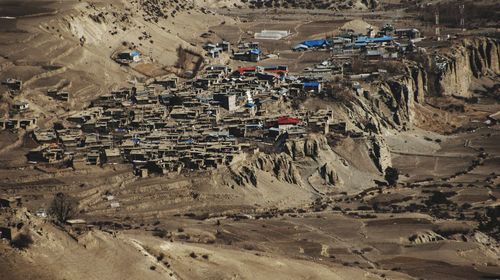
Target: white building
{"points": [[271, 34]]}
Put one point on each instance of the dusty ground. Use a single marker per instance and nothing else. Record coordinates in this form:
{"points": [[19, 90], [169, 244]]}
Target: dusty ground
{"points": [[68, 47], [188, 227], [233, 232]]}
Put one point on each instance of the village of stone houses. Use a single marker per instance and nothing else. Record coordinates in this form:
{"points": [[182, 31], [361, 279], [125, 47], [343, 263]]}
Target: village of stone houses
{"points": [[249, 139]]}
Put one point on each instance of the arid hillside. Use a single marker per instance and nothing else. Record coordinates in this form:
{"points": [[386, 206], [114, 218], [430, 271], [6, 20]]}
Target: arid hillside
{"points": [[246, 139], [69, 46]]}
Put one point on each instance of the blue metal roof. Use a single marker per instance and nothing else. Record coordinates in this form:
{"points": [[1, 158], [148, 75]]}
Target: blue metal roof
{"points": [[382, 39], [312, 84], [365, 40], [316, 43]]}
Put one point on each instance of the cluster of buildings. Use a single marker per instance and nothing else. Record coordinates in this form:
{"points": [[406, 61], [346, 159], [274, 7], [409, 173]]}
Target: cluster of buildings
{"points": [[13, 85], [244, 51], [248, 51], [215, 50], [165, 127], [18, 123], [128, 57], [387, 43]]}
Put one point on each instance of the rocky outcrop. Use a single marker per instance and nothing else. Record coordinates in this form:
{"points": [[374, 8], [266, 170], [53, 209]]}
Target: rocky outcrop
{"points": [[280, 166], [418, 83], [306, 147], [484, 56], [244, 176], [425, 237], [392, 103], [400, 95], [440, 74], [316, 146], [472, 58], [328, 174], [371, 4], [379, 152]]}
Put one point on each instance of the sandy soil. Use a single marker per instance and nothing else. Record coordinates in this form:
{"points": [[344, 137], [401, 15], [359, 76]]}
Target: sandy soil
{"points": [[203, 225]]}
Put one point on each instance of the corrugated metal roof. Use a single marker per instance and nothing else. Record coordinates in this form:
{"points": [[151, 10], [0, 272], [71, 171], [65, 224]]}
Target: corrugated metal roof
{"points": [[312, 84], [316, 43]]}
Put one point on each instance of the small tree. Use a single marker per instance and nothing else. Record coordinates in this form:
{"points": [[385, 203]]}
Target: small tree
{"points": [[22, 241], [437, 198], [391, 175], [63, 207]]}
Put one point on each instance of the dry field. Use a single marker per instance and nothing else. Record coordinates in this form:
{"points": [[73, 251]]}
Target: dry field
{"points": [[203, 225]]}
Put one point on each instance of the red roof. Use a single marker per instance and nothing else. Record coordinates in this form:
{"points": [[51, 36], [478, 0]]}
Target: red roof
{"points": [[243, 70], [287, 120]]}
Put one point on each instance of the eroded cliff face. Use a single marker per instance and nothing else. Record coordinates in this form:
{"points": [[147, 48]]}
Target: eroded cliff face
{"points": [[312, 164], [311, 146], [328, 173], [449, 73], [391, 104], [316, 147], [400, 94], [280, 166], [379, 152], [321, 164], [471, 58], [319, 161], [371, 4]]}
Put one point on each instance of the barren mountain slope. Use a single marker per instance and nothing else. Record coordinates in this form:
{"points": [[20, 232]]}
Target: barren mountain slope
{"points": [[312, 205], [70, 45]]}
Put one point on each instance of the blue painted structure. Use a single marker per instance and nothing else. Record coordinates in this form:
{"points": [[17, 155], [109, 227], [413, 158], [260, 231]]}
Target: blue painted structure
{"points": [[316, 43], [311, 84], [363, 40]]}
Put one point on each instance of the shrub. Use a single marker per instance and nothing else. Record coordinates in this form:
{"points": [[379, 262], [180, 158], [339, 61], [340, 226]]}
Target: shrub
{"points": [[160, 233], [437, 198], [63, 207], [391, 175], [160, 257], [22, 241]]}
